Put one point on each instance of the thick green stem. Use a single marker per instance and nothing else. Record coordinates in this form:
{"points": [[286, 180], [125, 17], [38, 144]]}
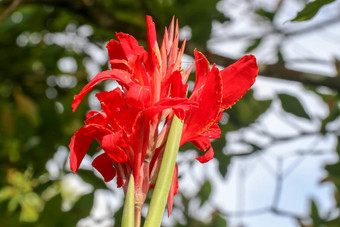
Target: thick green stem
{"points": [[129, 205], [163, 183]]}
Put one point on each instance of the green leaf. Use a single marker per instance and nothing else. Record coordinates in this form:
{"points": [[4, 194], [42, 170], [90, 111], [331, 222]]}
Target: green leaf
{"points": [[254, 45], [280, 57], [218, 221], [333, 169], [266, 14], [317, 221], [205, 191], [292, 105], [246, 111], [310, 10], [89, 177], [223, 162], [13, 203]]}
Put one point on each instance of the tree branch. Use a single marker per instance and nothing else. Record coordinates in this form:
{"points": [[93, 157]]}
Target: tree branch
{"points": [[278, 71], [9, 10], [312, 28]]}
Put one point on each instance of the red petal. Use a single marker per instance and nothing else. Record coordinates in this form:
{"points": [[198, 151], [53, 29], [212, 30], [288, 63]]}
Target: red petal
{"points": [[186, 74], [179, 55], [173, 84], [114, 74], [151, 33], [201, 119], [91, 113], [115, 50], [112, 100], [113, 144], [96, 117], [119, 179], [81, 141], [153, 49], [115, 96], [130, 46], [154, 60], [173, 189], [171, 34], [203, 143], [139, 74], [120, 64], [179, 106], [178, 89], [104, 164], [166, 83], [213, 132], [113, 103], [164, 55], [237, 79], [128, 120], [207, 156], [202, 72], [118, 59], [138, 96], [173, 55]]}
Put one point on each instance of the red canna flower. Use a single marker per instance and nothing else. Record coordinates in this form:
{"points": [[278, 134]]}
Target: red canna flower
{"points": [[153, 91], [215, 91]]}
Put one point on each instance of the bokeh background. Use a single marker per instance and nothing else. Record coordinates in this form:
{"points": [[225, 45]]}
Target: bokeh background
{"points": [[276, 163]]}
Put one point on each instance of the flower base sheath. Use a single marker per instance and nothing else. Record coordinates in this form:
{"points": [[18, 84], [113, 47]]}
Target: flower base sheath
{"points": [[153, 90]]}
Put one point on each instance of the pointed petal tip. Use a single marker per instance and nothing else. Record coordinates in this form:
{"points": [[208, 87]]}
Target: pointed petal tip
{"points": [[72, 157], [75, 103], [251, 59], [149, 22], [199, 55], [74, 169], [149, 18], [73, 164]]}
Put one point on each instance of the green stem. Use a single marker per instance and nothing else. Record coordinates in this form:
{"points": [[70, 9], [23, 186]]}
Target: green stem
{"points": [[129, 205], [163, 183]]}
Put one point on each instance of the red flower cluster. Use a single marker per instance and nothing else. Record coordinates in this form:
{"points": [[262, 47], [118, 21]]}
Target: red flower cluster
{"points": [[153, 91]]}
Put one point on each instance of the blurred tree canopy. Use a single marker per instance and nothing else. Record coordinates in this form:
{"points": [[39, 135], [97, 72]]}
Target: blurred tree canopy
{"points": [[50, 48]]}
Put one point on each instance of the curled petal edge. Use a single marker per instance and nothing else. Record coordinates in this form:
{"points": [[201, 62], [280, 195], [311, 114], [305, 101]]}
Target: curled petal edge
{"points": [[120, 76], [81, 141]]}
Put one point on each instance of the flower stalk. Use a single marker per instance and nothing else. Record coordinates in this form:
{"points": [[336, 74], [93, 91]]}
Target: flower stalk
{"points": [[161, 191], [129, 205]]}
